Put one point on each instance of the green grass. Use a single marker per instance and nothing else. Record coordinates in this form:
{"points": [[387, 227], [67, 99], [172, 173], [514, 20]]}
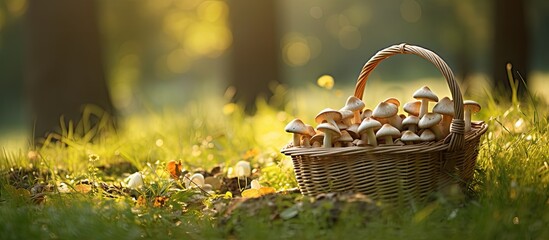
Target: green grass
{"points": [[510, 197]]}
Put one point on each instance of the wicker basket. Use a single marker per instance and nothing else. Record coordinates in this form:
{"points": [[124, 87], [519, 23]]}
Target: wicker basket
{"points": [[393, 172]]}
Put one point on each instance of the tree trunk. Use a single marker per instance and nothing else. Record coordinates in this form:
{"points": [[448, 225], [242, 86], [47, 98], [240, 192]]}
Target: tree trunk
{"points": [[255, 48], [64, 62], [511, 44]]}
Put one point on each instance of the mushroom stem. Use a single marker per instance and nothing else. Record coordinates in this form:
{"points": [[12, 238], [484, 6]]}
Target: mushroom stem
{"points": [[297, 139], [446, 121], [306, 141], [356, 117], [413, 128], [437, 132], [424, 107], [371, 137], [389, 140], [467, 119], [327, 140]]}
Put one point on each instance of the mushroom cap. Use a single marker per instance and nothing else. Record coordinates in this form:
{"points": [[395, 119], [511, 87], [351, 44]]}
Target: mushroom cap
{"points": [[409, 136], [471, 105], [412, 108], [427, 135], [429, 119], [345, 137], [366, 113], [328, 113], [297, 126], [368, 123], [354, 104], [310, 130], [425, 93], [345, 113], [410, 120], [353, 130], [393, 101], [388, 130], [445, 107], [327, 127], [319, 137], [385, 110]]}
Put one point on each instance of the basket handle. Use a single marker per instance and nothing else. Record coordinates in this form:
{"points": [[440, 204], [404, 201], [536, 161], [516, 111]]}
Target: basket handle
{"points": [[457, 129]]}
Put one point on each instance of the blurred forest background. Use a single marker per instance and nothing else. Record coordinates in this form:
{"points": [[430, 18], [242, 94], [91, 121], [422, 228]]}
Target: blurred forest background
{"points": [[168, 52]]}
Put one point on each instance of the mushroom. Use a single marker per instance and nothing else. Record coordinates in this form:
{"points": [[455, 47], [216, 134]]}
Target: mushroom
{"points": [[445, 107], [346, 116], [356, 105], [425, 95], [394, 101], [430, 121], [135, 180], [328, 115], [409, 137], [469, 107], [410, 123], [387, 113], [317, 139], [412, 108], [427, 135], [388, 132], [366, 131], [345, 140], [196, 180], [366, 113], [306, 138], [243, 169], [353, 130], [330, 131], [298, 128]]}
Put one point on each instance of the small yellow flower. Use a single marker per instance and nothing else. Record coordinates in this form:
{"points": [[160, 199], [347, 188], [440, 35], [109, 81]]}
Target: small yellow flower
{"points": [[325, 81]]}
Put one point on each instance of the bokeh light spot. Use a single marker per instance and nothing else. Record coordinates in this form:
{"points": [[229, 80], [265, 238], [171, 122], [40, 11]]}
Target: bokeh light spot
{"points": [[325, 81], [297, 53], [349, 37], [316, 12]]}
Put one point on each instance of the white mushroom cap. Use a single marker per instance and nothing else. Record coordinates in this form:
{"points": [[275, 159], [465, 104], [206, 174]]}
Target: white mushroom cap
{"points": [[430, 121], [196, 180], [392, 100], [243, 169], [344, 139], [366, 130], [356, 105], [388, 132], [386, 112], [317, 139], [366, 113], [427, 135], [445, 107], [297, 127], [409, 137], [346, 116], [353, 130], [469, 107], [412, 108], [411, 122], [425, 95], [328, 115], [306, 138], [330, 131]]}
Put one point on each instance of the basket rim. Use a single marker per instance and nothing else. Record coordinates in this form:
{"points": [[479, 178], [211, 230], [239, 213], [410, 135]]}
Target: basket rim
{"points": [[478, 128]]}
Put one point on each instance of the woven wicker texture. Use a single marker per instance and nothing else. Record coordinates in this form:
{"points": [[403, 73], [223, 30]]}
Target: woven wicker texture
{"points": [[393, 172]]}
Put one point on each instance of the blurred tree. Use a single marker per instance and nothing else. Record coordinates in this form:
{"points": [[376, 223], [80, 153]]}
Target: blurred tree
{"points": [[255, 48], [64, 61], [511, 43]]}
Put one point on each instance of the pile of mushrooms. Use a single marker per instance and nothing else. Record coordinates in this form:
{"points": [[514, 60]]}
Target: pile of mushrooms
{"points": [[353, 125]]}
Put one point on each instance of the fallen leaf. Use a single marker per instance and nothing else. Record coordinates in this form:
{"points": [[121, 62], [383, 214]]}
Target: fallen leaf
{"points": [[174, 168], [251, 193], [266, 190]]}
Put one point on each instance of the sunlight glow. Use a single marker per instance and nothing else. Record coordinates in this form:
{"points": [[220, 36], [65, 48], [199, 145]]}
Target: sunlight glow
{"points": [[410, 10]]}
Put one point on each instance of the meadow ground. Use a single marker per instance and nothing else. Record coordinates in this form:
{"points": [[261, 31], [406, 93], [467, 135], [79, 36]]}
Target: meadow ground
{"points": [[73, 186]]}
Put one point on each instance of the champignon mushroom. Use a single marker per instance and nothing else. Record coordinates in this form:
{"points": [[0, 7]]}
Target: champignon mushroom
{"points": [[425, 95], [388, 132], [366, 130], [445, 107], [346, 116], [393, 100], [430, 121], [297, 127], [387, 113], [345, 140], [317, 139], [366, 113], [469, 107], [427, 135], [306, 138], [409, 137], [356, 105], [328, 115], [412, 108], [330, 131], [410, 123]]}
